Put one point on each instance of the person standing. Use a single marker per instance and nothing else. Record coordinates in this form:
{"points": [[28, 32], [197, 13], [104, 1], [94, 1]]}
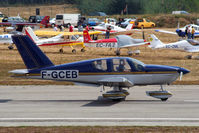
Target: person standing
{"points": [[71, 28], [189, 32], [108, 30], [192, 32]]}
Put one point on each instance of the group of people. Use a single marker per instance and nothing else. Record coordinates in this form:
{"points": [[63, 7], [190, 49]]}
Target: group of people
{"points": [[189, 32]]}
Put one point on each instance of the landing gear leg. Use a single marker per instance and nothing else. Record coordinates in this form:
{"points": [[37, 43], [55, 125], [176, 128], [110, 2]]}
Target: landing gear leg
{"points": [[11, 46], [61, 50], [73, 50], [117, 52]]}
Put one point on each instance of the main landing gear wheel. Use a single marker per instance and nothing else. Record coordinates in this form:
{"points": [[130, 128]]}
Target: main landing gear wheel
{"points": [[10, 47], [83, 50], [74, 51], [117, 53], [164, 99], [61, 50], [117, 94]]}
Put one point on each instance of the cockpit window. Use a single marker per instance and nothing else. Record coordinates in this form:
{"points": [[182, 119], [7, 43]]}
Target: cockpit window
{"points": [[100, 65], [193, 42], [121, 65], [136, 65]]}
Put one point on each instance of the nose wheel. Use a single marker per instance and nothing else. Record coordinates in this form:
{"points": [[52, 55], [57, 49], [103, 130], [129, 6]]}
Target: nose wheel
{"points": [[161, 94]]}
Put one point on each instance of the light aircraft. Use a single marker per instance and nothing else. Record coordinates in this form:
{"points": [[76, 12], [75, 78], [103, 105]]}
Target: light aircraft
{"points": [[181, 31], [7, 39], [114, 29], [183, 45], [57, 40], [116, 72], [119, 42]]}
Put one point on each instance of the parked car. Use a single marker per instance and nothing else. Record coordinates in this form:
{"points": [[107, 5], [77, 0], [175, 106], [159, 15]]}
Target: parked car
{"points": [[97, 14], [35, 19], [17, 19], [52, 21], [93, 21], [180, 12], [143, 23]]}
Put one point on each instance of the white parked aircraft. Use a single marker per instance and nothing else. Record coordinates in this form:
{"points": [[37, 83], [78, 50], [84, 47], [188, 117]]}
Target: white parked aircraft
{"points": [[184, 45], [114, 29], [181, 31]]}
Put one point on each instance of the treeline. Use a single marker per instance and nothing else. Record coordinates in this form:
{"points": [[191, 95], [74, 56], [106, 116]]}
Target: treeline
{"points": [[117, 6]]}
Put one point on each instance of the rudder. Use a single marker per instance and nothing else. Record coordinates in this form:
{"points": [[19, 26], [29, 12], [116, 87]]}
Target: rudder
{"points": [[31, 54], [86, 36]]}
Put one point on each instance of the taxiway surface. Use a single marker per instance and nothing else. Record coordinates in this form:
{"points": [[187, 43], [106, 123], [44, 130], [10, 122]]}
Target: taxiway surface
{"points": [[81, 105]]}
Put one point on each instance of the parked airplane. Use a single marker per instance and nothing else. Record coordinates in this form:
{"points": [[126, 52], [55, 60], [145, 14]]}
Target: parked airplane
{"points": [[18, 25], [181, 31], [119, 42], [114, 29], [56, 40], [184, 45], [116, 72], [7, 39]]}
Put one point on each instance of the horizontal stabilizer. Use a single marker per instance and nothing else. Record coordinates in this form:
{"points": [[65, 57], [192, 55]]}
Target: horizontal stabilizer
{"points": [[19, 71]]}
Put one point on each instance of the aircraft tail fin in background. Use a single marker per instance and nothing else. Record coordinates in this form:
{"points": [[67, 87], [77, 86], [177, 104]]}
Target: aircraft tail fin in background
{"points": [[31, 54], [45, 20], [129, 27], [31, 34], [86, 36], [154, 41]]}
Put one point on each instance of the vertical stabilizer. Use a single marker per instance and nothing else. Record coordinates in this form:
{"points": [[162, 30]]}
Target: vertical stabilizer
{"points": [[86, 36], [31, 54], [154, 41], [31, 34]]}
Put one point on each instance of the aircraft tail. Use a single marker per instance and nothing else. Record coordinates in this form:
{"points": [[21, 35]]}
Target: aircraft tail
{"points": [[129, 27], [86, 36], [31, 54], [31, 34], [154, 42], [45, 20]]}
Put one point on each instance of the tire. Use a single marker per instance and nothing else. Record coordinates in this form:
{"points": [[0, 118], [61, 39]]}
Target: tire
{"points": [[142, 27], [164, 99], [117, 53], [74, 51], [10, 47], [83, 50], [61, 50], [152, 26]]}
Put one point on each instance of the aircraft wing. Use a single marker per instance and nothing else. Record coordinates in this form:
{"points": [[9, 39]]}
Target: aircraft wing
{"points": [[54, 33], [167, 32], [135, 44], [70, 43], [116, 81]]}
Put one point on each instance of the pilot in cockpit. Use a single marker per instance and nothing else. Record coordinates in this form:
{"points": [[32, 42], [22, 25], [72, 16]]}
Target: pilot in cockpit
{"points": [[99, 64], [121, 67]]}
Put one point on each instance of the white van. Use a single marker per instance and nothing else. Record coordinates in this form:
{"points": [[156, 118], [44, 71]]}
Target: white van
{"points": [[67, 19]]}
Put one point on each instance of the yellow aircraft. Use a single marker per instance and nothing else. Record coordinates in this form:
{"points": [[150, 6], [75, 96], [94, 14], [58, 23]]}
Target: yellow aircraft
{"points": [[70, 38]]}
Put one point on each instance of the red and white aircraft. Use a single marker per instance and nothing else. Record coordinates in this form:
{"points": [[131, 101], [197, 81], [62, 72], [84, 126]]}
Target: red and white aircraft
{"points": [[114, 29], [119, 42]]}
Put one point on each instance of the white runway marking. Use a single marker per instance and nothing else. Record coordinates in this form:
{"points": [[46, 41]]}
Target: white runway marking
{"points": [[191, 101]]}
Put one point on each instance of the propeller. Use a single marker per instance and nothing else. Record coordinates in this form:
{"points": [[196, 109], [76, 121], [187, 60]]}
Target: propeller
{"points": [[181, 74]]}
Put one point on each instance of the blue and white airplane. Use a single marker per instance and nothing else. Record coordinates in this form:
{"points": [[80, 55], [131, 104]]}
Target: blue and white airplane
{"points": [[181, 31], [116, 72]]}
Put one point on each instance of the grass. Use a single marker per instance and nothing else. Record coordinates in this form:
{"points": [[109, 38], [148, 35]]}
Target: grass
{"points": [[10, 60], [99, 129]]}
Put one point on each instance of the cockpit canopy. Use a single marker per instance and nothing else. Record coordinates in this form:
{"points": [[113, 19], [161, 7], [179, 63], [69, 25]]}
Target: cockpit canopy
{"points": [[118, 65]]}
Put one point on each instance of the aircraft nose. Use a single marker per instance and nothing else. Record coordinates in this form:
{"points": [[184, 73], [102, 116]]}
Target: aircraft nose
{"points": [[183, 70]]}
